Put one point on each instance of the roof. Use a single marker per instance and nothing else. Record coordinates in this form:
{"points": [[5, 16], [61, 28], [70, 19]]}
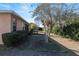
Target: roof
{"points": [[14, 13]]}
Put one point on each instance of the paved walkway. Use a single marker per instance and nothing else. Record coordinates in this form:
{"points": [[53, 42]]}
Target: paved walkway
{"points": [[70, 44]]}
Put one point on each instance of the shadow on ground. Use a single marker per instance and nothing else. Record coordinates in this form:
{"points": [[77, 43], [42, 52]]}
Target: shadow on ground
{"points": [[65, 51], [37, 47]]}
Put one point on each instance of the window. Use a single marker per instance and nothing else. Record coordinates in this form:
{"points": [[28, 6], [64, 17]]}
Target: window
{"points": [[14, 24]]}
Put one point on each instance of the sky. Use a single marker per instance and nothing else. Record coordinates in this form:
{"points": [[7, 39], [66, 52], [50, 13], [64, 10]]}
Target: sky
{"points": [[22, 9]]}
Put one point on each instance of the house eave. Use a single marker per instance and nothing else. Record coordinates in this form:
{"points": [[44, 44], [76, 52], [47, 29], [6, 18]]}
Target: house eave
{"points": [[13, 13]]}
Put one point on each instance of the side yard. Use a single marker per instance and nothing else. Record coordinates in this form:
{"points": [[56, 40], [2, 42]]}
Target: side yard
{"points": [[70, 44], [36, 47]]}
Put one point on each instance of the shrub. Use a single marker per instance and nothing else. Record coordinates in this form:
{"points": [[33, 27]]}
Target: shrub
{"points": [[11, 39], [76, 37], [56, 30], [68, 31], [71, 31]]}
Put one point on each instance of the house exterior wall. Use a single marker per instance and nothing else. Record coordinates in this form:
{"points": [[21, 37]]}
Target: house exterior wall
{"points": [[19, 24], [5, 24], [27, 27]]}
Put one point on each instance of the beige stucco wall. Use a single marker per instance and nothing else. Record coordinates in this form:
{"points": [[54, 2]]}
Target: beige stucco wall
{"points": [[20, 24], [5, 24]]}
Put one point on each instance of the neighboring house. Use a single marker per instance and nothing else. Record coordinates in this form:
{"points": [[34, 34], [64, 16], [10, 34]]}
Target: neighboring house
{"points": [[10, 21]]}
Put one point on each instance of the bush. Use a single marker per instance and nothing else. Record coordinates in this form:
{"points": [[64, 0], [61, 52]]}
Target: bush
{"points": [[76, 37], [68, 31], [71, 31], [56, 30], [11, 39]]}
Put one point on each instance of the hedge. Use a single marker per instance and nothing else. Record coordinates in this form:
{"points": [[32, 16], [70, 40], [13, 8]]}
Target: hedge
{"points": [[12, 39]]}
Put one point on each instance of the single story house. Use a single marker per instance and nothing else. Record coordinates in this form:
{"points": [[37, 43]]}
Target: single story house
{"points": [[10, 21]]}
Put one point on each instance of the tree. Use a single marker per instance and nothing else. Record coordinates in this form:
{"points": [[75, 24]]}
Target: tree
{"points": [[43, 13], [32, 26], [57, 13], [64, 13], [46, 12]]}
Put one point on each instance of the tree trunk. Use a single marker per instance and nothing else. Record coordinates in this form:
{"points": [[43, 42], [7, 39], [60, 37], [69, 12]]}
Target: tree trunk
{"points": [[49, 30], [46, 34]]}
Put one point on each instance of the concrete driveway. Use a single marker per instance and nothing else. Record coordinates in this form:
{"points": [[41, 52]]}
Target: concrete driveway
{"points": [[23, 50]]}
